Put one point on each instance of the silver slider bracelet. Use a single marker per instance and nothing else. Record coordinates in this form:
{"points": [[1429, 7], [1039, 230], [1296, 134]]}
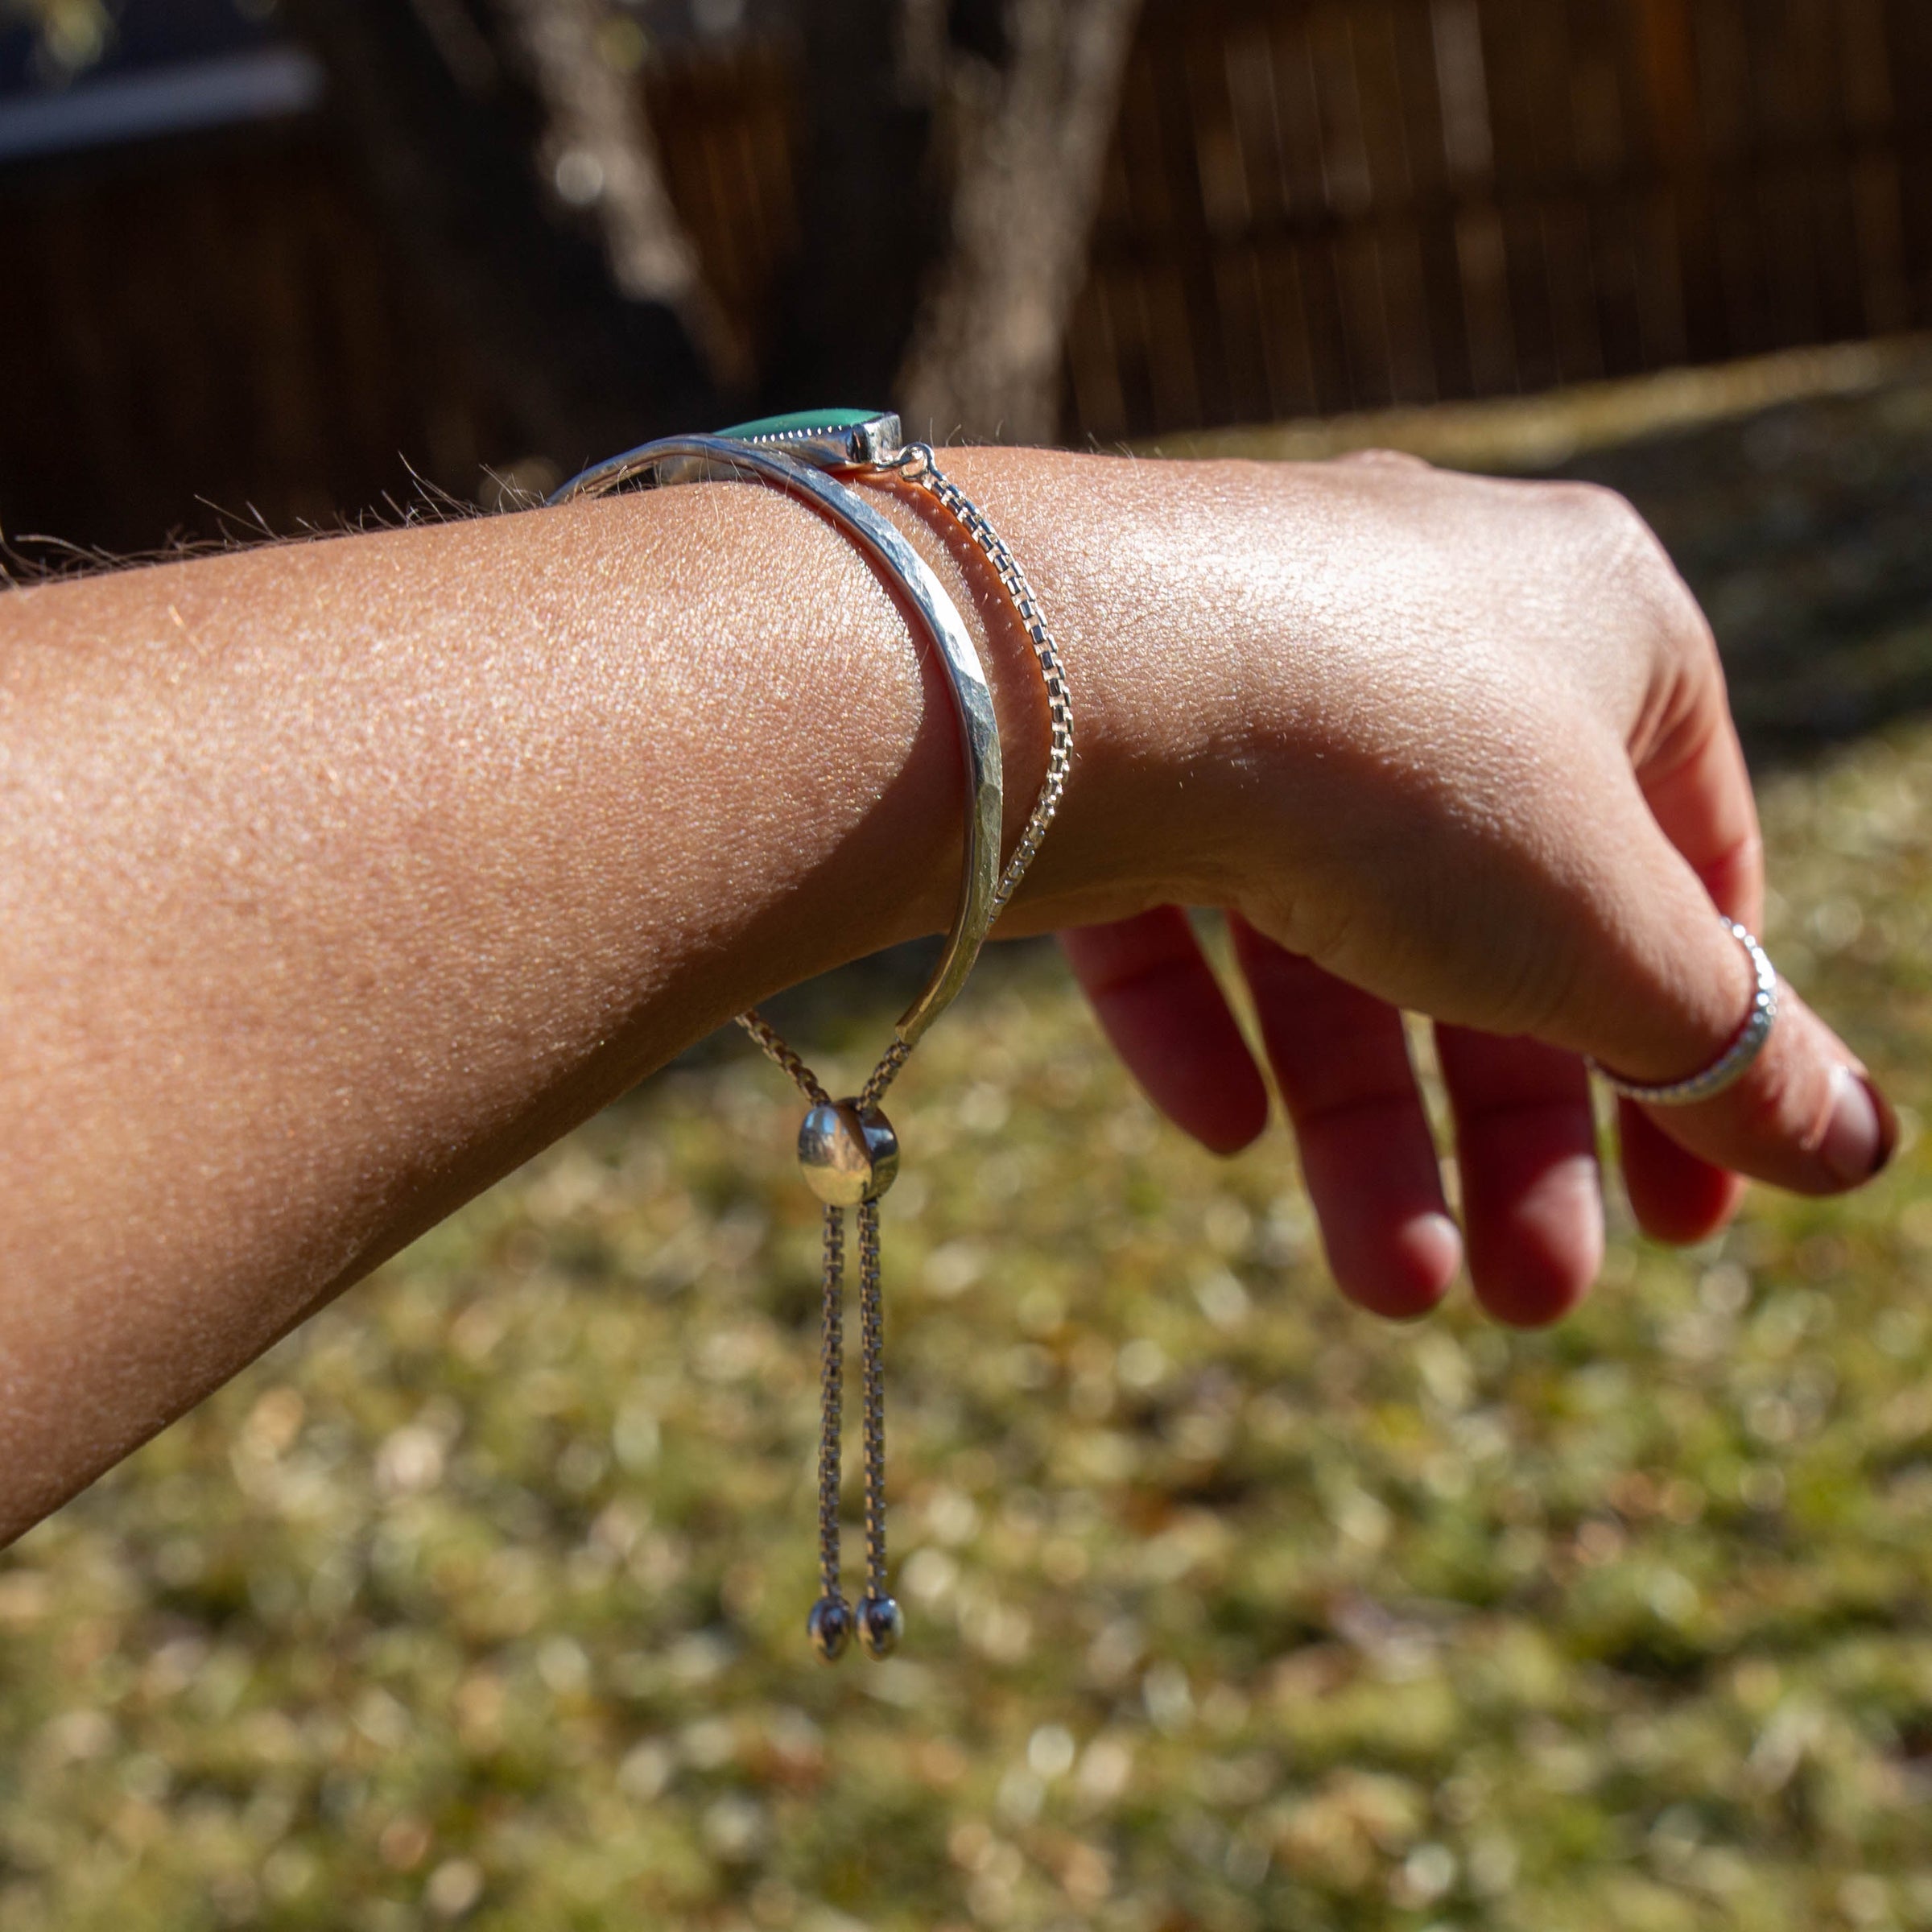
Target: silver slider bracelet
{"points": [[847, 1148]]}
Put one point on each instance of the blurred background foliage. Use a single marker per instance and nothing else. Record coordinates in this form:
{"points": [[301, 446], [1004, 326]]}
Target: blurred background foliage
{"points": [[274, 261], [70, 35], [479, 1600]]}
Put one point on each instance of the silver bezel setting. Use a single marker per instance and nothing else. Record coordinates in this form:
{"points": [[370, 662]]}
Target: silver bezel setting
{"points": [[867, 445]]}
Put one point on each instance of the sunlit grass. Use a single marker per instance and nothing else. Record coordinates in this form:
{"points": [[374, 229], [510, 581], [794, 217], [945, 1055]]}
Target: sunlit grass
{"points": [[1229, 1607]]}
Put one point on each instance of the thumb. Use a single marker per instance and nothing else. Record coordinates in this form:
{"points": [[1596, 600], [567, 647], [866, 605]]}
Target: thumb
{"points": [[1805, 1114], [1671, 990]]}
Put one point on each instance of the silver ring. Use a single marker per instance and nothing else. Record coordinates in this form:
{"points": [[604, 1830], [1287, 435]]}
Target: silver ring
{"points": [[1731, 1065]]}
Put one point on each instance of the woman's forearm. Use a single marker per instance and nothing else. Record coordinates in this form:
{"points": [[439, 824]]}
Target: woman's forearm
{"points": [[336, 878]]}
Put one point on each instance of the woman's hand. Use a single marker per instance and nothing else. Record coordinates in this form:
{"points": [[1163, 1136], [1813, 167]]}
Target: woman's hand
{"points": [[337, 878], [1453, 745]]}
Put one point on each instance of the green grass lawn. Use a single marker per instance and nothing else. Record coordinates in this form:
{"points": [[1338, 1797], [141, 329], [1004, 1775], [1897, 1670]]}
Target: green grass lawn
{"points": [[481, 1599]]}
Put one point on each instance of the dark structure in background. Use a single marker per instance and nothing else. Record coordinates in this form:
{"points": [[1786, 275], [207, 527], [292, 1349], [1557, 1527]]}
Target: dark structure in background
{"points": [[1328, 206], [300, 245]]}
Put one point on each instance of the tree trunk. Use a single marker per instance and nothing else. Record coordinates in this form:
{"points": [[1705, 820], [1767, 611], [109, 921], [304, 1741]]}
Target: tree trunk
{"points": [[866, 211], [578, 369], [598, 153], [1030, 118]]}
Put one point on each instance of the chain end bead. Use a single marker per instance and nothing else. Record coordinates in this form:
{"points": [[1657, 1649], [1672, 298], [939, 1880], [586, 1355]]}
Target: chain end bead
{"points": [[830, 1628], [881, 1624]]}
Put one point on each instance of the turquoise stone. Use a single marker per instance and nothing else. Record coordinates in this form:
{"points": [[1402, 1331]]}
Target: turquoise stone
{"points": [[802, 422]]}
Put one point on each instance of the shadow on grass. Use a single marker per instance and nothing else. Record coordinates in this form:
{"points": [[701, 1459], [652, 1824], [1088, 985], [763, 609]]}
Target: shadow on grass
{"points": [[1806, 530]]}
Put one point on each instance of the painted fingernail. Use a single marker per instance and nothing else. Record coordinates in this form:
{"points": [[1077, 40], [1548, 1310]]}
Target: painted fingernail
{"points": [[1862, 1130]]}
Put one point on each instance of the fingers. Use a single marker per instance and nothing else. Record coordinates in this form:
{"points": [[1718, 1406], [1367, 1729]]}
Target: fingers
{"points": [[1676, 1196], [1699, 790], [1159, 1003], [1525, 1141], [1367, 1154], [1528, 1157]]}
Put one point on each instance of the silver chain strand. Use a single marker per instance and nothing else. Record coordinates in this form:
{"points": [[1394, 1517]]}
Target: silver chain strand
{"points": [[915, 465], [832, 1379], [872, 1346], [1012, 580], [894, 1057], [794, 1068]]}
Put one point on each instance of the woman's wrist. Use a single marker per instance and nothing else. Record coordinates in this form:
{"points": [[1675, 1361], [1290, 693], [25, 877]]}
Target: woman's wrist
{"points": [[1157, 699]]}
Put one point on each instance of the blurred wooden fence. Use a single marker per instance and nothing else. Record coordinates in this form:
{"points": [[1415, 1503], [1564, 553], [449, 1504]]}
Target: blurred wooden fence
{"points": [[727, 127], [218, 335], [1312, 206], [215, 332], [1316, 205]]}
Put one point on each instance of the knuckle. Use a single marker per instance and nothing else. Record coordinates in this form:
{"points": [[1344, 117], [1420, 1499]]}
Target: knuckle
{"points": [[1609, 523], [1318, 926], [1630, 548], [1628, 558], [1391, 458], [1591, 499]]}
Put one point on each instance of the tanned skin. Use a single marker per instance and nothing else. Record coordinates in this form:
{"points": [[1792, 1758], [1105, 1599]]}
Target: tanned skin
{"points": [[337, 878]]}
